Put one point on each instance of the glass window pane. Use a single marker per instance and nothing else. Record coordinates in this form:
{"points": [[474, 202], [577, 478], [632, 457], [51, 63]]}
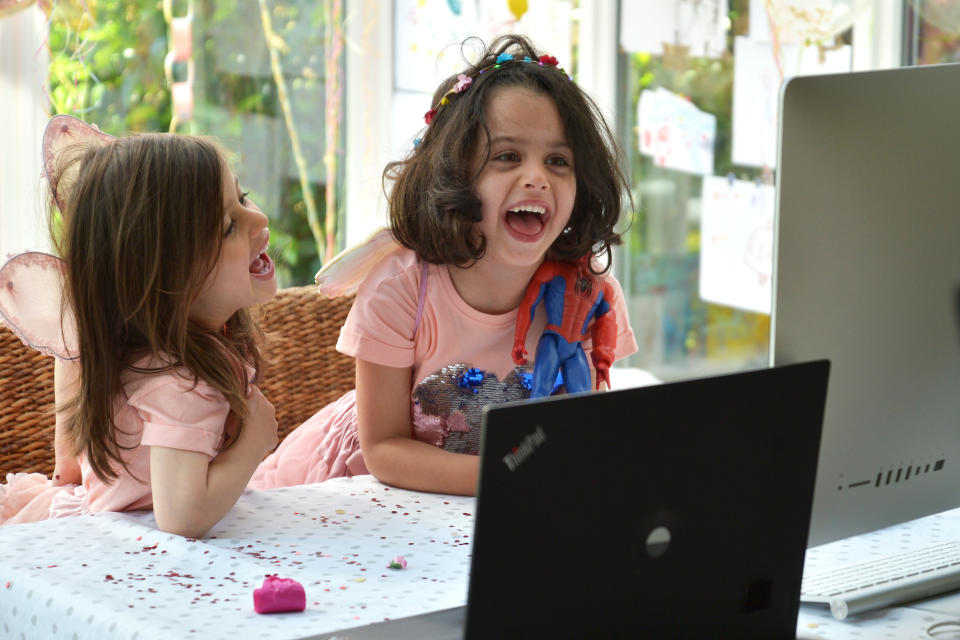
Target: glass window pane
{"points": [[932, 29], [699, 98], [252, 74]]}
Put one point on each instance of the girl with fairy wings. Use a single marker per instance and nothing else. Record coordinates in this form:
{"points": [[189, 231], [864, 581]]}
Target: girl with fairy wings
{"points": [[158, 356], [515, 166]]}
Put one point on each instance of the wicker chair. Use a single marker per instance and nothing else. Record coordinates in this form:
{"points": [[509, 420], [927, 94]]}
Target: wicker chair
{"points": [[305, 373]]}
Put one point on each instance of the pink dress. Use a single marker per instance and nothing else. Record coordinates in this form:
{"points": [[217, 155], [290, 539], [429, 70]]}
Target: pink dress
{"points": [[164, 410], [461, 360]]}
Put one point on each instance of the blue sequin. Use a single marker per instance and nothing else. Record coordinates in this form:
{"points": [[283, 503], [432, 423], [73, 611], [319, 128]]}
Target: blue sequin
{"points": [[526, 380], [504, 57], [471, 379]]}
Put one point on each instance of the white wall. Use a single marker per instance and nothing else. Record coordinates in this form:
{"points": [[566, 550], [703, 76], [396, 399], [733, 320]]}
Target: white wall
{"points": [[369, 87], [23, 114]]}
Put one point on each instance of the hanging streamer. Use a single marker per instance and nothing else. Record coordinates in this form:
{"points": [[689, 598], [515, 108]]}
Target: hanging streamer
{"points": [[181, 39]]}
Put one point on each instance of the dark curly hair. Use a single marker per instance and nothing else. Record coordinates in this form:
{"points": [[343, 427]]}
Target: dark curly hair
{"points": [[433, 202]]}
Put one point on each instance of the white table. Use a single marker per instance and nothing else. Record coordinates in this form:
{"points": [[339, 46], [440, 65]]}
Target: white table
{"points": [[116, 576]]}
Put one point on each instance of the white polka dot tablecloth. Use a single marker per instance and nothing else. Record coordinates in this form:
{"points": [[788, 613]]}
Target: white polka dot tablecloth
{"points": [[115, 575]]}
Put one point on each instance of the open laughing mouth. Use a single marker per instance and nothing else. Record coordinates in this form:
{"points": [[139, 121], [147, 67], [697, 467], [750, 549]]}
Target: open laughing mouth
{"points": [[527, 221], [262, 265]]}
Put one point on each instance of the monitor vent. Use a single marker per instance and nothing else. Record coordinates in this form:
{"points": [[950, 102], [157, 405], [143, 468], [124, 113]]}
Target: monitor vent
{"points": [[889, 476]]}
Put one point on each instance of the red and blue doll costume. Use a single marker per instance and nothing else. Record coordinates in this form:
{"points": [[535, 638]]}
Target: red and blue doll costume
{"points": [[572, 297]]}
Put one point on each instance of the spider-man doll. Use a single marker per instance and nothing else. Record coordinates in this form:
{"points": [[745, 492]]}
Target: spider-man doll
{"points": [[572, 296]]}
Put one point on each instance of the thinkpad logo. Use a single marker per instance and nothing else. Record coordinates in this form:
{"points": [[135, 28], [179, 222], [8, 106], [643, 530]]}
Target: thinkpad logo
{"points": [[525, 449]]}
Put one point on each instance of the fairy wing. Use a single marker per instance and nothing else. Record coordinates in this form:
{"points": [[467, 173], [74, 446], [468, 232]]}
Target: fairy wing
{"points": [[345, 271], [31, 283], [30, 304], [65, 139]]}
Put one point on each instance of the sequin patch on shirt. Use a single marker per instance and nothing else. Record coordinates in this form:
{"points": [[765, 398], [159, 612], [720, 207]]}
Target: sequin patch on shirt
{"points": [[448, 404]]}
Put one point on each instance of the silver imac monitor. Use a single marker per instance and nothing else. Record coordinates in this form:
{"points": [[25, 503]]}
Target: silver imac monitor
{"points": [[866, 273]]}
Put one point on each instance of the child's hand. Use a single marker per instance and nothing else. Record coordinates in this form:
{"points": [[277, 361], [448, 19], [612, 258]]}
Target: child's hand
{"points": [[262, 421], [519, 352]]}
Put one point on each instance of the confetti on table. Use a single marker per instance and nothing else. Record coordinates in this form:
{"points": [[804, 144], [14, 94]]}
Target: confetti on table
{"points": [[337, 557]]}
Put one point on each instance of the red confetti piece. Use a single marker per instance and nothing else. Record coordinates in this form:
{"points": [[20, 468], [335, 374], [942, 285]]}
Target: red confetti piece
{"points": [[8, 585]]}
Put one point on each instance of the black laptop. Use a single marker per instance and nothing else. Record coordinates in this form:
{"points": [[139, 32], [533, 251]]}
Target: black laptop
{"points": [[679, 510]]}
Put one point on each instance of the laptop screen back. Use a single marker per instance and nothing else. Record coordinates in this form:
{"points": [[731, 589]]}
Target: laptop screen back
{"points": [[674, 510]]}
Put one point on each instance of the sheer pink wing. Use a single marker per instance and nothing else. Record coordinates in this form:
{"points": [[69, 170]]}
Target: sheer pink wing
{"points": [[65, 139], [345, 271], [31, 283], [30, 295]]}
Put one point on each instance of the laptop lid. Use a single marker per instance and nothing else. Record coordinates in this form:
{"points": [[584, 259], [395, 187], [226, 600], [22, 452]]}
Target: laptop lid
{"points": [[677, 510]]}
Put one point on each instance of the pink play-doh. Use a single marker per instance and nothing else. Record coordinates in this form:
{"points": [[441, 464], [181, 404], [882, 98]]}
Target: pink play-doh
{"points": [[278, 595]]}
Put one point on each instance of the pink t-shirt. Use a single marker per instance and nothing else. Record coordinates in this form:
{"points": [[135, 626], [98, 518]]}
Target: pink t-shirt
{"points": [[380, 325], [156, 410], [461, 357]]}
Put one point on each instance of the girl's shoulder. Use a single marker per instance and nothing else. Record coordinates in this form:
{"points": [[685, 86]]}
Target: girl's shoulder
{"points": [[155, 374], [399, 263], [399, 272]]}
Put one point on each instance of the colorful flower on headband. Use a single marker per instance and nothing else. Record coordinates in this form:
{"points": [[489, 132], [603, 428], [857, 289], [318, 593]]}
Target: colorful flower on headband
{"points": [[465, 82]]}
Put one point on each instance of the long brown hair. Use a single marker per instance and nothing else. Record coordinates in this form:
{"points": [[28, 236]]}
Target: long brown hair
{"points": [[433, 205], [142, 229]]}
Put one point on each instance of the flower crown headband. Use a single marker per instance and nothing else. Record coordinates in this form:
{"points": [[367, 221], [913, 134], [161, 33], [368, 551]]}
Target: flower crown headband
{"points": [[464, 81]]}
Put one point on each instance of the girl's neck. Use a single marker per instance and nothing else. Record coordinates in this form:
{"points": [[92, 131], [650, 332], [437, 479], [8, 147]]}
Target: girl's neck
{"points": [[492, 289]]}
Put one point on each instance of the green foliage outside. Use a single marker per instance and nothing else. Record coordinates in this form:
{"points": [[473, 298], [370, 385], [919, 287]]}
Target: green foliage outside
{"points": [[107, 68]]}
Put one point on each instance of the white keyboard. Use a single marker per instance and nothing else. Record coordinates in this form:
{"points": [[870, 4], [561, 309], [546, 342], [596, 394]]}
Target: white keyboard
{"points": [[885, 581]]}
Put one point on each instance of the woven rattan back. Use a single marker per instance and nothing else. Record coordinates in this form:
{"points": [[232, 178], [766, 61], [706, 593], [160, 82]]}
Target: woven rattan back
{"points": [[305, 373], [26, 407]]}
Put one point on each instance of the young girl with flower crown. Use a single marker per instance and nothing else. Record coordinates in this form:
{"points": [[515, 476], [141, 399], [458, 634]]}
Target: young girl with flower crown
{"points": [[515, 166], [157, 403]]}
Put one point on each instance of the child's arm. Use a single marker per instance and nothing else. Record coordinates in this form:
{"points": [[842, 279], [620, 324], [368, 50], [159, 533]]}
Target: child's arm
{"points": [[191, 493], [390, 452], [66, 467]]}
